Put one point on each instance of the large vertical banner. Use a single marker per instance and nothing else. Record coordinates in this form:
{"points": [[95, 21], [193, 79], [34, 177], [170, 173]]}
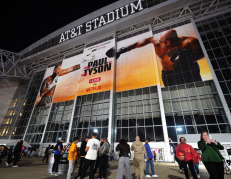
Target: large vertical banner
{"points": [[50, 82], [45, 95], [176, 53], [181, 57], [97, 69], [68, 83], [90, 72], [136, 63]]}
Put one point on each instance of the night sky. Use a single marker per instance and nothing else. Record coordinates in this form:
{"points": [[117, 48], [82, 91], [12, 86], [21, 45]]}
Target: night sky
{"points": [[25, 22]]}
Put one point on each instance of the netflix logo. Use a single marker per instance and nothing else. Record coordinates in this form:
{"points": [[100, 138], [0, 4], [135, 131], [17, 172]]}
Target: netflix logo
{"points": [[91, 89], [94, 80]]}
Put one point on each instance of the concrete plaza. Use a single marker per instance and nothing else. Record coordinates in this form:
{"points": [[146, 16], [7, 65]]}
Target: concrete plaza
{"points": [[33, 168]]}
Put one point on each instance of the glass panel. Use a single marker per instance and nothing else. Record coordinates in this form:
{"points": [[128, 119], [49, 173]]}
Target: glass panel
{"points": [[132, 134], [213, 128], [201, 129], [149, 133], [172, 133], [159, 134], [191, 129], [141, 133]]}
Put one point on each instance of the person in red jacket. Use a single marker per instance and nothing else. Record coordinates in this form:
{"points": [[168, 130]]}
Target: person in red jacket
{"points": [[196, 162], [184, 152]]}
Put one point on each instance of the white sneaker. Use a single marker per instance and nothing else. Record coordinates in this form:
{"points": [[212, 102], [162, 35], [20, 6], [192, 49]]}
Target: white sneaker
{"points": [[15, 166], [52, 173], [56, 174], [155, 176], [148, 176], [7, 164], [180, 171], [198, 176]]}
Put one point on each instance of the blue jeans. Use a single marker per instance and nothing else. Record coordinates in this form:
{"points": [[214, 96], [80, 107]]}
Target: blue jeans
{"points": [[196, 168], [150, 161], [29, 154]]}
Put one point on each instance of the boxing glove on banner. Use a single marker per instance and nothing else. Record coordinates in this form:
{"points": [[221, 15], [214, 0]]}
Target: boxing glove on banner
{"points": [[53, 83], [113, 53], [181, 56]]}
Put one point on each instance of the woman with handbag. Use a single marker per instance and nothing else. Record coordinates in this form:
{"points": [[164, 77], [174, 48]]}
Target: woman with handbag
{"points": [[211, 156]]}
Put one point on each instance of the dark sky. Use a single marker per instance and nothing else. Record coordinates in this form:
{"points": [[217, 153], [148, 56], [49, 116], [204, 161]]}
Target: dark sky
{"points": [[24, 22]]}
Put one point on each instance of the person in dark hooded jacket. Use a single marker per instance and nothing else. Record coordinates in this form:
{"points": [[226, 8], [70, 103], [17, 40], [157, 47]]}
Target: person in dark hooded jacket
{"points": [[82, 155], [17, 151]]}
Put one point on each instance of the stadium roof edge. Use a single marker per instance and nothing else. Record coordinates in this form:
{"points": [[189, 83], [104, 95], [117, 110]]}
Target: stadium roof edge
{"points": [[109, 28], [79, 21]]}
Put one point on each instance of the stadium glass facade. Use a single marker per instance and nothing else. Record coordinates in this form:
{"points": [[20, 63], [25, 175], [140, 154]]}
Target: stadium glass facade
{"points": [[145, 96]]}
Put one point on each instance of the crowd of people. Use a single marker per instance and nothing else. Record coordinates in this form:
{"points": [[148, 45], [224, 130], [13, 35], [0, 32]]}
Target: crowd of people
{"points": [[96, 155], [13, 153]]}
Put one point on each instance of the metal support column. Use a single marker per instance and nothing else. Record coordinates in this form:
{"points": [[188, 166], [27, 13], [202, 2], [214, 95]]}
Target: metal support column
{"points": [[70, 124]]}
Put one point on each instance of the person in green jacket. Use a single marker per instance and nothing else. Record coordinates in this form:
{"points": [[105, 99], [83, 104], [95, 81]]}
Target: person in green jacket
{"points": [[211, 156]]}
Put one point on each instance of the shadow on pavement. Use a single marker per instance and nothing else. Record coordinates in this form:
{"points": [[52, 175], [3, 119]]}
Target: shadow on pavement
{"points": [[174, 177]]}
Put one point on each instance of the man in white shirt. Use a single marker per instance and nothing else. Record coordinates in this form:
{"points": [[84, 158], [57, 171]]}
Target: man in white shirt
{"points": [[93, 146]]}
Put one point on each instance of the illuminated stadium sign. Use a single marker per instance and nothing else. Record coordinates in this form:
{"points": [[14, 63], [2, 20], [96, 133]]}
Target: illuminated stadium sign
{"points": [[101, 21]]}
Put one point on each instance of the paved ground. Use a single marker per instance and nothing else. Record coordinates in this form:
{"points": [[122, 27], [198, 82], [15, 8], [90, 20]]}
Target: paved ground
{"points": [[33, 168]]}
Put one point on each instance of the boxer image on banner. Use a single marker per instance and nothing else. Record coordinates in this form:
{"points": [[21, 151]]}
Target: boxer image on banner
{"points": [[48, 86], [178, 55]]}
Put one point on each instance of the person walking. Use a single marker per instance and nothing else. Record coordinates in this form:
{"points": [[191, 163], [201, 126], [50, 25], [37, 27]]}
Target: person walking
{"points": [[82, 155], [46, 154], [196, 162], [72, 155], [20, 155], [57, 156], [51, 150], [180, 163], [154, 155], [112, 155], [30, 151], [139, 151], [184, 153], [98, 158], [150, 161], [124, 151], [104, 155], [9, 157], [37, 152], [93, 146], [211, 156], [17, 151]]}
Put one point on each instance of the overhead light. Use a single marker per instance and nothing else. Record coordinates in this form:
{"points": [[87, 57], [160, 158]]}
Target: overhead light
{"points": [[179, 129], [95, 130]]}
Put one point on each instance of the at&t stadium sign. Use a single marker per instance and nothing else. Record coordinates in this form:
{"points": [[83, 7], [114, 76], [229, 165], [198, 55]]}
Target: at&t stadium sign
{"points": [[101, 21]]}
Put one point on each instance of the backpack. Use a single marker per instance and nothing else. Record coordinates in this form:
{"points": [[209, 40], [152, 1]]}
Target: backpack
{"points": [[56, 146]]}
